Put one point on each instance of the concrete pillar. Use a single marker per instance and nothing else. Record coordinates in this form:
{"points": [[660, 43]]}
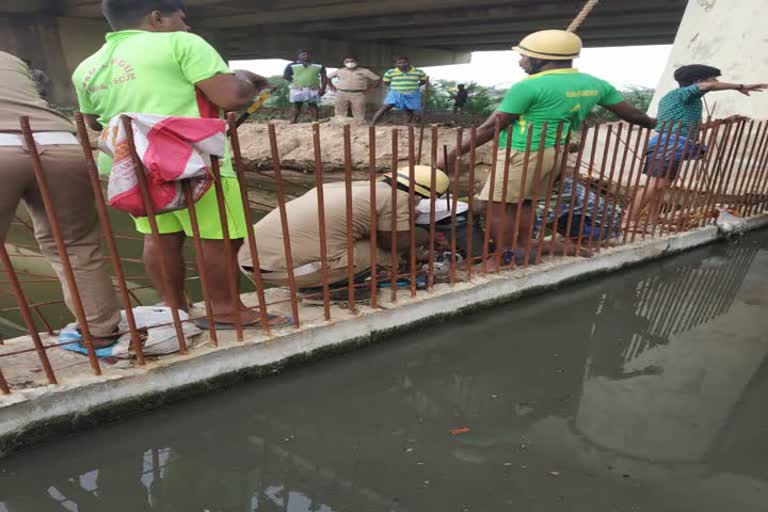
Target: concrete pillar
{"points": [[729, 35]]}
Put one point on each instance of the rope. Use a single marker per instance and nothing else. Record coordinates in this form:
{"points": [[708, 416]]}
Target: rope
{"points": [[578, 20]]}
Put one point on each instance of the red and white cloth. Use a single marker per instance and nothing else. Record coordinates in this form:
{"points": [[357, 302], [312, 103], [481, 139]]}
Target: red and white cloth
{"points": [[172, 149]]}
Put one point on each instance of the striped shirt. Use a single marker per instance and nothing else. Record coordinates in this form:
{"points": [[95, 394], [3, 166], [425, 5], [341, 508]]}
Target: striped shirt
{"points": [[404, 81], [681, 105]]}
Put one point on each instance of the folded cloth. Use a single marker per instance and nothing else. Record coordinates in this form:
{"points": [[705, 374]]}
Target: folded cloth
{"points": [[404, 101], [172, 149]]}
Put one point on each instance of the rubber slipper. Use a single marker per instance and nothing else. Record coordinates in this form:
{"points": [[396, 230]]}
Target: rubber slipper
{"points": [[202, 323]]}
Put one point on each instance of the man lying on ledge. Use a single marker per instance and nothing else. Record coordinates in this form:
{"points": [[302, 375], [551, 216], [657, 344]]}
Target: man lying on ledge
{"points": [[304, 232]]}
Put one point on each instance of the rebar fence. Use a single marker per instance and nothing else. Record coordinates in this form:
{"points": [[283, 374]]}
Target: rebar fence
{"points": [[595, 196]]}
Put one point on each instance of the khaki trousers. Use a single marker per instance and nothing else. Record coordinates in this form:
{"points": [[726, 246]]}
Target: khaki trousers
{"points": [[64, 167], [311, 276], [346, 99]]}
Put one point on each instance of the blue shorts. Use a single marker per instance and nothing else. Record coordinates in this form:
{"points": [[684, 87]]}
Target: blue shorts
{"points": [[666, 153], [404, 101]]}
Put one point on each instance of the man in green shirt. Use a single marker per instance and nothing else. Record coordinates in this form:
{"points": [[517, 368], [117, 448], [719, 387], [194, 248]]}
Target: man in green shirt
{"points": [[555, 93], [308, 82], [151, 64]]}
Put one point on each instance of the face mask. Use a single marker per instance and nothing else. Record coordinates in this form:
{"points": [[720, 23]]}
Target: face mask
{"points": [[350, 65]]}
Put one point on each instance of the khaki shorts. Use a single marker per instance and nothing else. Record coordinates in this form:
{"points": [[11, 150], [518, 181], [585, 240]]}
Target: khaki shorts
{"points": [[549, 162]]}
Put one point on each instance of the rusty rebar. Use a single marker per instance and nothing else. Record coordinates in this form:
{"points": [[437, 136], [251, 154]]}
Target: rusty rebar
{"points": [[598, 192], [572, 205], [229, 251], [754, 188], [700, 185], [69, 275], [432, 205], [722, 164], [499, 236], [740, 175], [455, 204], [639, 208], [521, 195], [393, 185], [610, 196], [412, 206], [754, 157], [620, 179], [582, 219], [534, 198], [109, 236], [199, 260], [674, 189], [560, 157], [491, 191], [348, 195], [4, 384], [280, 186], [21, 300], [471, 198], [687, 191], [373, 220], [321, 220], [239, 167], [759, 198]]}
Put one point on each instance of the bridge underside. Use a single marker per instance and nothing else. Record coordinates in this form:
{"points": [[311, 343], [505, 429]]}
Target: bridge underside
{"points": [[432, 32]]}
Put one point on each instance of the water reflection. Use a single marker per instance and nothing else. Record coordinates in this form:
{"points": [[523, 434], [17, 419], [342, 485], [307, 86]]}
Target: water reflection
{"points": [[642, 390]]}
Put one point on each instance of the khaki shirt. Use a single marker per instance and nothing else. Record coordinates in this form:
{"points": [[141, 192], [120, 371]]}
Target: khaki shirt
{"points": [[353, 79], [19, 97], [304, 231]]}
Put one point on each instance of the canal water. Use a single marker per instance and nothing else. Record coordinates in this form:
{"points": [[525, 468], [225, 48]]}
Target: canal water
{"points": [[643, 391]]}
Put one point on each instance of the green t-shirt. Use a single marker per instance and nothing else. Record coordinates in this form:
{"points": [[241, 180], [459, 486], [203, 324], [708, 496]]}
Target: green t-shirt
{"points": [[559, 95], [149, 73]]}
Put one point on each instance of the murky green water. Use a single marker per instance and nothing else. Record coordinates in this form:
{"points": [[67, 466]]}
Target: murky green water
{"points": [[644, 391]]}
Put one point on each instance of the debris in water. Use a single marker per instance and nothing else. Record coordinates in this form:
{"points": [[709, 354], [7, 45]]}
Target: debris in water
{"points": [[459, 431], [554, 473]]}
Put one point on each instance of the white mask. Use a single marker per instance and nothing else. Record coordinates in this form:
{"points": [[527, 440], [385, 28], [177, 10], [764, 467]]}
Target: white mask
{"points": [[350, 65]]}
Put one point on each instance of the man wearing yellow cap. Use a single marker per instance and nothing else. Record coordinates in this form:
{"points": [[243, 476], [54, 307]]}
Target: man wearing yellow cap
{"points": [[555, 93], [304, 233]]}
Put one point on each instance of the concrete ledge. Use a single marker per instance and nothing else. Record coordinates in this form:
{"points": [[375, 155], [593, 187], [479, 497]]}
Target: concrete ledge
{"points": [[30, 415]]}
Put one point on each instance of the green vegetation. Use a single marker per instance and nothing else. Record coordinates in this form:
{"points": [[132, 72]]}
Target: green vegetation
{"points": [[482, 100]]}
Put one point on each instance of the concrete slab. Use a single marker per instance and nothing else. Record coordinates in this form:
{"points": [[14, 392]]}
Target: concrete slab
{"points": [[36, 410]]}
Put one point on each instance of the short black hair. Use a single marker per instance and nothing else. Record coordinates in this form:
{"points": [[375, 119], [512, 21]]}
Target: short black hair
{"points": [[692, 73], [122, 14]]}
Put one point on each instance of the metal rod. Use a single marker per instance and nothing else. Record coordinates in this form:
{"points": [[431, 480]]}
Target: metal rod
{"points": [[229, 250], [701, 184], [109, 236], [674, 190], [432, 205], [201, 269], [455, 204], [499, 236], [373, 220], [284, 222], [534, 199], [762, 161], [561, 156], [620, 179], [754, 159], [237, 162], [660, 196], [647, 178], [21, 300], [395, 257], [738, 150], [321, 220], [583, 218], [521, 194], [599, 188], [684, 191], [412, 206], [714, 193], [4, 383], [471, 198], [741, 174], [610, 199], [69, 275], [491, 191], [572, 205], [348, 195]]}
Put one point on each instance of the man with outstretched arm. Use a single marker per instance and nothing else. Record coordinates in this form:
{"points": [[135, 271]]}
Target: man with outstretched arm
{"points": [[151, 64], [682, 109], [554, 93]]}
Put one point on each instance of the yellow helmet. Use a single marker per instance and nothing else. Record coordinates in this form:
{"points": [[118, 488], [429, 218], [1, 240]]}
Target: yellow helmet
{"points": [[423, 180], [550, 45]]}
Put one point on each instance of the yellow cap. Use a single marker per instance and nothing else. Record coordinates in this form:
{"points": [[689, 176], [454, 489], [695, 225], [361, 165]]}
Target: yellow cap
{"points": [[423, 180], [550, 45]]}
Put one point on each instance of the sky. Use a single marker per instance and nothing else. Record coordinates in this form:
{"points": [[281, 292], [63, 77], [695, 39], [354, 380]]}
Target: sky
{"points": [[624, 67]]}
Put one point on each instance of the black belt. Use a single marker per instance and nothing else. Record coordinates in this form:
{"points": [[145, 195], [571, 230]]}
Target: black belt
{"points": [[347, 90]]}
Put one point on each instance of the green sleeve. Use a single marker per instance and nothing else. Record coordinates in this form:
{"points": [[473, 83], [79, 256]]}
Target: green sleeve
{"points": [[610, 95], [82, 97], [198, 59], [388, 76], [518, 99]]}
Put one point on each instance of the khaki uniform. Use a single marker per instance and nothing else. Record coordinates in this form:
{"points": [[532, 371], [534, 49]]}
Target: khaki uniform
{"points": [[549, 164], [350, 90], [305, 235], [64, 167]]}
